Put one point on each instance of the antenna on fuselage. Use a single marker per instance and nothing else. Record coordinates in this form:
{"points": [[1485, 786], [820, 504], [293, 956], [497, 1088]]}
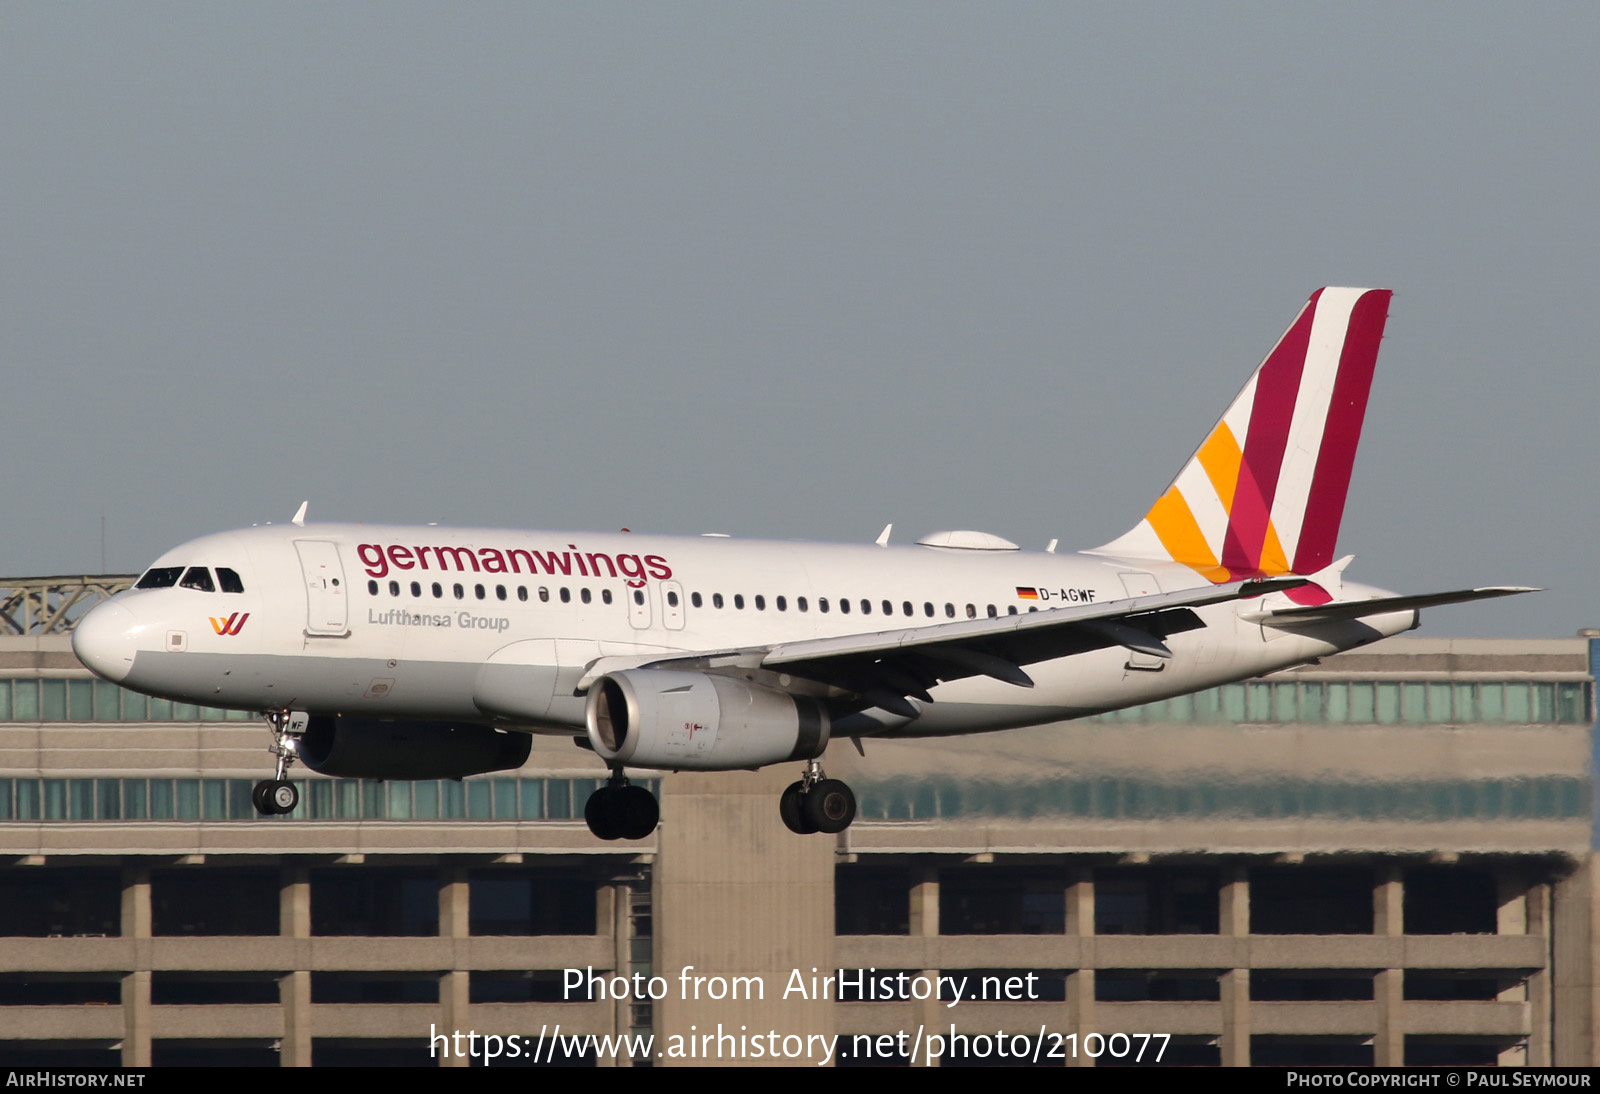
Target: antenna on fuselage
{"points": [[883, 536], [300, 514]]}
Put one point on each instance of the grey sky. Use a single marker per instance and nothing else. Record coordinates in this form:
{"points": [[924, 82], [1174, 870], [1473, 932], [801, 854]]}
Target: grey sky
{"points": [[790, 270]]}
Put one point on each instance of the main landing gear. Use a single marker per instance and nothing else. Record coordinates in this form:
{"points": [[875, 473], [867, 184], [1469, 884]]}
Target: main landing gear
{"points": [[274, 797], [620, 810], [817, 803]]}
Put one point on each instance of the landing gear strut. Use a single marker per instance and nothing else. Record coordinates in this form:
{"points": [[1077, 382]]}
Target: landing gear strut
{"points": [[620, 810], [816, 803], [276, 796]]}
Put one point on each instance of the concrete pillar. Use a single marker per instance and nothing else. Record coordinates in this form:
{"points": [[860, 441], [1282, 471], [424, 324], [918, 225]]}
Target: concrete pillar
{"points": [[136, 1019], [294, 996], [1561, 997], [1234, 991], [1388, 902], [1511, 895], [455, 922], [1388, 988], [1389, 1041], [738, 896], [294, 902], [925, 924], [611, 915], [1080, 903], [136, 902], [136, 985], [1080, 981], [294, 989], [1080, 1013], [1233, 921]]}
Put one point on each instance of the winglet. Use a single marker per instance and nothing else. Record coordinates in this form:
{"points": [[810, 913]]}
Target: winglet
{"points": [[300, 515], [883, 536]]}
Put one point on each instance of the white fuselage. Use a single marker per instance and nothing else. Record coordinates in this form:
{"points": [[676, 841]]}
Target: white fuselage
{"points": [[397, 622]]}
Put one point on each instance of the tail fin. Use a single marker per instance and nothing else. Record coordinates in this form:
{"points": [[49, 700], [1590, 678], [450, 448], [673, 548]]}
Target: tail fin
{"points": [[1265, 492]]}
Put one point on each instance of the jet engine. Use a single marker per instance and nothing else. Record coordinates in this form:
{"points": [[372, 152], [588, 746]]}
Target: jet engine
{"points": [[694, 721], [370, 748]]}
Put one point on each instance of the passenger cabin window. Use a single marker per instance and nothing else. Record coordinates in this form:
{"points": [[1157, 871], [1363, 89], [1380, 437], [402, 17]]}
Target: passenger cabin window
{"points": [[500, 592], [694, 598], [228, 580], [638, 597], [716, 600], [544, 594], [605, 596], [438, 591], [522, 593], [583, 594], [416, 590], [566, 595], [394, 588], [800, 602], [164, 577], [738, 601], [761, 603], [783, 604], [844, 605], [907, 607], [478, 589], [372, 587], [199, 578], [672, 599], [461, 594], [822, 604]]}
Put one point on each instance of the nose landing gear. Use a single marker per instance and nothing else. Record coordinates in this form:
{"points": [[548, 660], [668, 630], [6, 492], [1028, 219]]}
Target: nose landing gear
{"points": [[816, 803], [620, 810], [277, 796]]}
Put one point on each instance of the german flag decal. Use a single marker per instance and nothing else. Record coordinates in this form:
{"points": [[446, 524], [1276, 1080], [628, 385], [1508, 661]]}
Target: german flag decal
{"points": [[1027, 594]]}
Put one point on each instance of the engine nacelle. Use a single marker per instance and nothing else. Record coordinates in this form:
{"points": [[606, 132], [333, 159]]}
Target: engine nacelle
{"points": [[369, 748], [693, 721]]}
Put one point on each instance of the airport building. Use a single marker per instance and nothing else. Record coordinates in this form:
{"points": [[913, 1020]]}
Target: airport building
{"points": [[1384, 858]]}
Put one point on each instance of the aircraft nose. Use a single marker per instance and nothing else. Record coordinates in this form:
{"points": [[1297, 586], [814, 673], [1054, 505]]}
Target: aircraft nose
{"points": [[106, 639]]}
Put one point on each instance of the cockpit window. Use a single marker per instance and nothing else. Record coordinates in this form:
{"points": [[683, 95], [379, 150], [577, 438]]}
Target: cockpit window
{"points": [[198, 577], [229, 580], [162, 577]]}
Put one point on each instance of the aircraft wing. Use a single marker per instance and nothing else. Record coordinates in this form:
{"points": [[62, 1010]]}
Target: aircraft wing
{"points": [[886, 666], [1357, 609]]}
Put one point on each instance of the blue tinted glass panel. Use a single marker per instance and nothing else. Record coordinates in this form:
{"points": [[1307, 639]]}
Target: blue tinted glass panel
{"points": [[52, 700]]}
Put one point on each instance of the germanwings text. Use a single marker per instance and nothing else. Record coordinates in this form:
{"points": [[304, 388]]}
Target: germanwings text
{"points": [[636, 569]]}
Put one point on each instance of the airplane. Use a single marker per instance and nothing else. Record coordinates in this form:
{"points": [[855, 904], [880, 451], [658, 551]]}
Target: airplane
{"points": [[393, 652]]}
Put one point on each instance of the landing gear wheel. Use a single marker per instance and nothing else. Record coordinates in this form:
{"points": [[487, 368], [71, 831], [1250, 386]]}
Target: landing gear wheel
{"points": [[283, 796], [636, 811], [600, 814], [274, 797], [829, 806], [791, 807]]}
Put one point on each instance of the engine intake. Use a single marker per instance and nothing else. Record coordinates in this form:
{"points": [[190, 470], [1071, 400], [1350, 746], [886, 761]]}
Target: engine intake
{"points": [[694, 721], [370, 748]]}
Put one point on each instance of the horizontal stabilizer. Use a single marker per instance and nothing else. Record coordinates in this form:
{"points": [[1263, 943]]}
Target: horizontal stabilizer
{"points": [[1357, 609]]}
